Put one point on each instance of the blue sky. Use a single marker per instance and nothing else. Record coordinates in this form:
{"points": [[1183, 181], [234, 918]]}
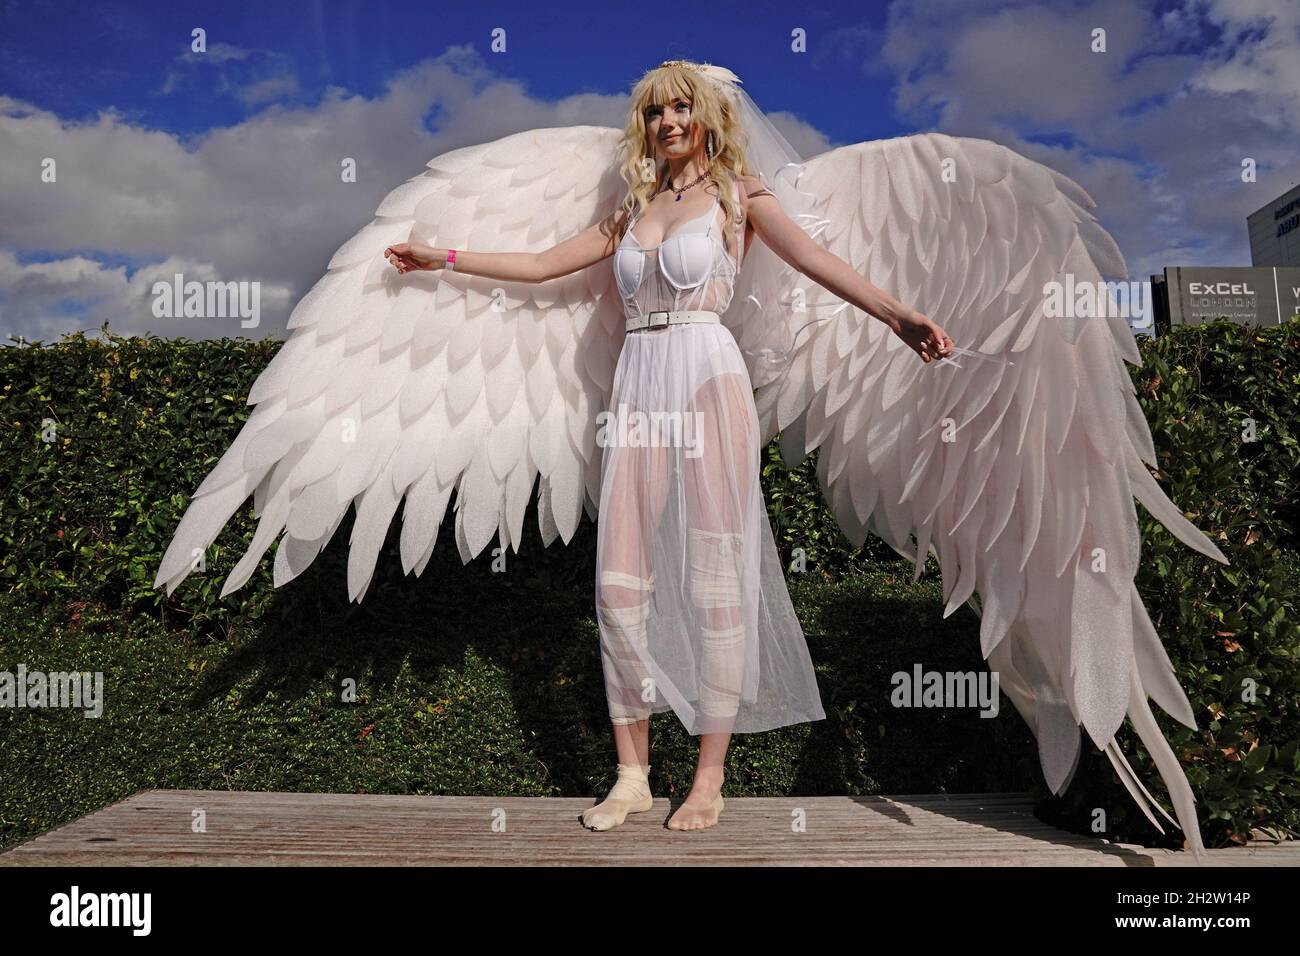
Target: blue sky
{"points": [[124, 54], [210, 163]]}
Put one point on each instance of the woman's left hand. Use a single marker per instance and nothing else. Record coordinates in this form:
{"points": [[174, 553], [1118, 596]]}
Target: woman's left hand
{"points": [[923, 335]]}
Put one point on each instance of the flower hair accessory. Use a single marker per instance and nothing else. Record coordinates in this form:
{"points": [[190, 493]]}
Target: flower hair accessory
{"points": [[727, 81]]}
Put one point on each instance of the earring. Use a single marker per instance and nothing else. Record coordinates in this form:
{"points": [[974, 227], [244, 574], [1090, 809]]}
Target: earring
{"points": [[709, 146]]}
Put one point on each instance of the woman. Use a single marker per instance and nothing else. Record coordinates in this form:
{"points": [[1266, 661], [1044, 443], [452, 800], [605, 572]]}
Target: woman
{"points": [[691, 600]]}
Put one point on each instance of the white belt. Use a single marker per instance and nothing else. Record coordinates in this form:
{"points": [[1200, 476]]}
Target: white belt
{"points": [[659, 320]]}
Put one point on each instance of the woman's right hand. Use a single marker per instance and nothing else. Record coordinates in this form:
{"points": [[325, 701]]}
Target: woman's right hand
{"points": [[414, 256], [925, 337]]}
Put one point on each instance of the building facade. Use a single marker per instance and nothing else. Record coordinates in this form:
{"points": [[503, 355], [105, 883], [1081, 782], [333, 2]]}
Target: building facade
{"points": [[1275, 232]]}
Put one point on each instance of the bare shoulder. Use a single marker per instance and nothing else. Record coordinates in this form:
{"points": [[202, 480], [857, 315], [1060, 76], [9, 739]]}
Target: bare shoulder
{"points": [[751, 187]]}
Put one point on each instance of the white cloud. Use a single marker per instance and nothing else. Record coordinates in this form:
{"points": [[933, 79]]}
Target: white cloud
{"points": [[281, 86], [233, 65], [259, 201], [1261, 43], [35, 296], [1155, 129]]}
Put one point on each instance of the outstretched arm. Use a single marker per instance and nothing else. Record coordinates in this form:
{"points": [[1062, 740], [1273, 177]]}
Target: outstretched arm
{"points": [[577, 252], [784, 237]]}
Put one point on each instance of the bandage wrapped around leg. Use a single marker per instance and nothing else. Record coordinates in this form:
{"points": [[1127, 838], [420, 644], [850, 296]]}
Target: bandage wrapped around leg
{"points": [[715, 561], [623, 644]]}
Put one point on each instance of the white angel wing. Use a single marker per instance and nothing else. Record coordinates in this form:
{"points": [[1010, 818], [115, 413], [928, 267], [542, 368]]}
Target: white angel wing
{"points": [[1018, 470], [418, 384]]}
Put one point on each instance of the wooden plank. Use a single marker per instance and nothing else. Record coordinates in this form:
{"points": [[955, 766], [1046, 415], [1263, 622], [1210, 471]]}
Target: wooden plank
{"points": [[243, 828]]}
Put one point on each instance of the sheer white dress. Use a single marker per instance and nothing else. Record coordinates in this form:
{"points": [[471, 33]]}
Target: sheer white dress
{"points": [[691, 598]]}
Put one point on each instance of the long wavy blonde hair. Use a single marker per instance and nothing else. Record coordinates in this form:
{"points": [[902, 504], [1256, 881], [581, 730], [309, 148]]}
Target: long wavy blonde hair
{"points": [[709, 108]]}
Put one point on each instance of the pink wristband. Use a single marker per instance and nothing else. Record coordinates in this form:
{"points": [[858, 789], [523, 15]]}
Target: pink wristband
{"points": [[451, 260]]}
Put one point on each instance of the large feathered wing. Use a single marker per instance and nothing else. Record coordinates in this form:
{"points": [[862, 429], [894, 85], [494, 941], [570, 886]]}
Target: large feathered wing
{"points": [[1019, 470], [414, 385]]}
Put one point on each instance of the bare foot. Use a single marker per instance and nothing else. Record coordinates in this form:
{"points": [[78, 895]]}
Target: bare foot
{"points": [[694, 816], [700, 809]]}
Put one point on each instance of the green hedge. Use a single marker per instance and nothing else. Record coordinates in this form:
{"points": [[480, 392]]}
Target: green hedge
{"points": [[474, 682], [1226, 627]]}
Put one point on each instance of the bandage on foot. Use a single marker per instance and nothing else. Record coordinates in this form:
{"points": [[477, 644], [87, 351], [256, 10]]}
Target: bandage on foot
{"points": [[630, 794]]}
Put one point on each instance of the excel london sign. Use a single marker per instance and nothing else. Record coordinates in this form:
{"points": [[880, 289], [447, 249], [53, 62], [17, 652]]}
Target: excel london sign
{"points": [[1248, 296]]}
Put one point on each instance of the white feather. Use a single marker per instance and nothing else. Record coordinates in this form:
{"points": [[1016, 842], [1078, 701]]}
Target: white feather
{"points": [[1017, 476], [390, 385]]}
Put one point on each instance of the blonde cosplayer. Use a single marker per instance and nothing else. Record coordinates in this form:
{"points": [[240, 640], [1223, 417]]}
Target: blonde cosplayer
{"points": [[475, 339], [725, 139]]}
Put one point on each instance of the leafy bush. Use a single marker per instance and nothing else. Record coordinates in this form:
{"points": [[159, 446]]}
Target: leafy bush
{"points": [[102, 441]]}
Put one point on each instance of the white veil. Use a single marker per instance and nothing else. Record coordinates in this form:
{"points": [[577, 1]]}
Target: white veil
{"points": [[766, 313]]}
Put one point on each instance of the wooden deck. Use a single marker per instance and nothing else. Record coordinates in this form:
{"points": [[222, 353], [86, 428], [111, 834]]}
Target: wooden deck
{"points": [[292, 829]]}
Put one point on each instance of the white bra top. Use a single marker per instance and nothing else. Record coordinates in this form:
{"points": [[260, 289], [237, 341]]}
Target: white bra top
{"points": [[693, 269]]}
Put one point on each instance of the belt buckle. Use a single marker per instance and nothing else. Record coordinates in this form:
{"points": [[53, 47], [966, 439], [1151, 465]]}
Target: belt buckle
{"points": [[652, 324]]}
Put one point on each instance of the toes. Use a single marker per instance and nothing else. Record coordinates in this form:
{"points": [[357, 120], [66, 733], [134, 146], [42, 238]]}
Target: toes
{"points": [[689, 821]]}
